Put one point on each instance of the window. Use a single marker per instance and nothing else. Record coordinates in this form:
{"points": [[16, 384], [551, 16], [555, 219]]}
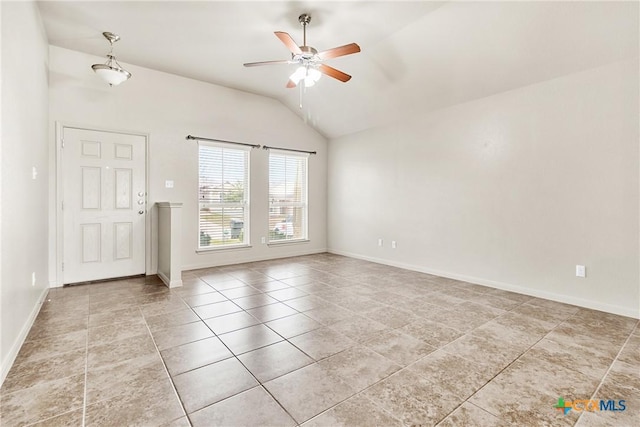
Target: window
{"points": [[223, 196], [287, 197]]}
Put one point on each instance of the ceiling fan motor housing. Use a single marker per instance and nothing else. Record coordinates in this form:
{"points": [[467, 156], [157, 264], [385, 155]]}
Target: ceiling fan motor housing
{"points": [[309, 54]]}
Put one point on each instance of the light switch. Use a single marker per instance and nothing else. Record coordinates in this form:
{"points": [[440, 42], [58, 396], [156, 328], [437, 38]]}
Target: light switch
{"points": [[581, 271], [168, 183]]}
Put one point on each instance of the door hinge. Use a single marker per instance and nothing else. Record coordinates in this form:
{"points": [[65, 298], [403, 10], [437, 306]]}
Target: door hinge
{"points": [[62, 143]]}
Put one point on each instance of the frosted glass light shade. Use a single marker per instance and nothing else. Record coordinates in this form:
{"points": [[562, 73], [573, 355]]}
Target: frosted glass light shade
{"points": [[298, 75], [308, 74], [314, 74], [113, 76]]}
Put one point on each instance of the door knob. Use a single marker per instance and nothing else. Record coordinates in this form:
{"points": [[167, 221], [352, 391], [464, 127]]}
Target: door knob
{"points": [[140, 193], [140, 212], [141, 202]]}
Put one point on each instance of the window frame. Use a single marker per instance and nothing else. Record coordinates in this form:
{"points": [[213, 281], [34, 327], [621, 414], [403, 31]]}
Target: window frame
{"points": [[304, 204], [245, 205]]}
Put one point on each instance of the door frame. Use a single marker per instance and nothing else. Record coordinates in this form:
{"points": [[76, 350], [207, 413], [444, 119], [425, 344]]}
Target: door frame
{"points": [[57, 213]]}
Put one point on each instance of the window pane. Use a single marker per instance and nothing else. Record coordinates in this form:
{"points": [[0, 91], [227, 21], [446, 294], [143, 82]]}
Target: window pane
{"points": [[287, 222], [287, 197], [223, 195], [287, 178], [221, 226]]}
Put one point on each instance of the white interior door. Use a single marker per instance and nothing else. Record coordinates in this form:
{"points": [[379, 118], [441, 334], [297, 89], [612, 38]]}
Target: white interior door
{"points": [[104, 204]]}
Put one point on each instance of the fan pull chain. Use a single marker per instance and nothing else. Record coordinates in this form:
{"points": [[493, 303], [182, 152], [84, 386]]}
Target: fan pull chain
{"points": [[302, 88]]}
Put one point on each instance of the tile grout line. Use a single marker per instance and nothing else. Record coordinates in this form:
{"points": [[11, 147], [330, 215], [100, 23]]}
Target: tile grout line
{"points": [[502, 370], [615, 359], [530, 347], [260, 384], [86, 365], [84, 383], [360, 393], [317, 362], [173, 386], [350, 291]]}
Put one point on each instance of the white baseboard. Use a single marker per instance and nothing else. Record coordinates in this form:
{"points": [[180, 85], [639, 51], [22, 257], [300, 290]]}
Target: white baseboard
{"points": [[253, 259], [567, 299], [170, 283], [17, 344]]}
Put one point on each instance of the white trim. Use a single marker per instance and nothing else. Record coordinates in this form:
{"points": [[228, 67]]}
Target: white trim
{"points": [[238, 246], [209, 264], [567, 299], [58, 280], [57, 212], [285, 242], [166, 205], [17, 344], [168, 282], [54, 284]]}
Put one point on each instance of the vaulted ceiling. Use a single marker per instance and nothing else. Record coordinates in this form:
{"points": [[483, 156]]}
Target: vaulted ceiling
{"points": [[416, 56]]}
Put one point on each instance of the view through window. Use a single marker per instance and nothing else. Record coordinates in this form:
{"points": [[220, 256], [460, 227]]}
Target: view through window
{"points": [[287, 196], [223, 196]]}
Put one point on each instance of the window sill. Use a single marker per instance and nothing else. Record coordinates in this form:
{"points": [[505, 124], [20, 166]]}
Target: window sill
{"points": [[288, 242], [223, 248]]}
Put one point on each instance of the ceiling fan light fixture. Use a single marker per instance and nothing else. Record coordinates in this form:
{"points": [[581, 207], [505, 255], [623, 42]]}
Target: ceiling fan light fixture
{"points": [[309, 60], [111, 71], [310, 75]]}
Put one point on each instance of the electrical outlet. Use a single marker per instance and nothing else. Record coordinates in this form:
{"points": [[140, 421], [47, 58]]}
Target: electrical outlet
{"points": [[264, 240], [34, 172], [581, 271], [393, 244], [380, 242], [168, 184], [33, 278]]}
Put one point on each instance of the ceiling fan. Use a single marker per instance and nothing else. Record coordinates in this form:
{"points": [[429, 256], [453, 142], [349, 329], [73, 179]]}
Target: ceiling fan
{"points": [[310, 60]]}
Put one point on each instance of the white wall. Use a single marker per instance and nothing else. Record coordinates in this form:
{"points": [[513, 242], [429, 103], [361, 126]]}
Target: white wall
{"points": [[24, 200], [168, 108], [512, 190]]}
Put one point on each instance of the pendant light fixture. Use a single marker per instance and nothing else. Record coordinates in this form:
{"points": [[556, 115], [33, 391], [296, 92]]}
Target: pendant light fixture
{"points": [[111, 71]]}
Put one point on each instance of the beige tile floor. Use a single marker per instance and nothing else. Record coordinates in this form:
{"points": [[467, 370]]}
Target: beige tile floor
{"points": [[319, 340]]}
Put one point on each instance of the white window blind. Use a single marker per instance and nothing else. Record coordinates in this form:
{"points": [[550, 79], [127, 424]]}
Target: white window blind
{"points": [[287, 196], [223, 196]]}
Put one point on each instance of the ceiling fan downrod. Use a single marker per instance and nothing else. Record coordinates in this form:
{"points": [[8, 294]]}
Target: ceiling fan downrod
{"points": [[304, 20]]}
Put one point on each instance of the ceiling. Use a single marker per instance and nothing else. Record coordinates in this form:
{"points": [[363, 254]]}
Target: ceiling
{"points": [[417, 56]]}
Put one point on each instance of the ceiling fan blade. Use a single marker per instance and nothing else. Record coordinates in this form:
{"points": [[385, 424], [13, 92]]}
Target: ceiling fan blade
{"points": [[288, 42], [347, 49], [255, 64], [291, 84], [332, 72]]}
